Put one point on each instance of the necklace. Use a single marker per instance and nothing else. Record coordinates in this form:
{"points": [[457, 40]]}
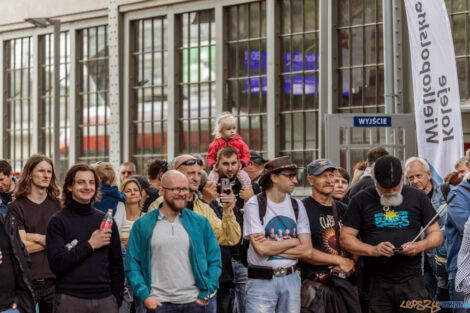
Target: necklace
{"points": [[385, 208]]}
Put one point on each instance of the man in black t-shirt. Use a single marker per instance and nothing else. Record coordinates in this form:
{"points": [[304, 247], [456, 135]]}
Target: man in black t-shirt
{"points": [[35, 202], [387, 218], [322, 223]]}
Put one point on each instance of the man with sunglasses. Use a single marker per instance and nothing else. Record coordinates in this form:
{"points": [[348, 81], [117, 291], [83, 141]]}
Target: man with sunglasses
{"points": [[127, 170], [226, 229], [274, 280], [173, 259]]}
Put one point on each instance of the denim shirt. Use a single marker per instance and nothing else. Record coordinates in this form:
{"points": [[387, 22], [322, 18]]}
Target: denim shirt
{"points": [[458, 213]]}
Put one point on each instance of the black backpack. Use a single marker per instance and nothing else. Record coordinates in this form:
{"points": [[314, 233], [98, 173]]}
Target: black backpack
{"points": [[262, 205]]}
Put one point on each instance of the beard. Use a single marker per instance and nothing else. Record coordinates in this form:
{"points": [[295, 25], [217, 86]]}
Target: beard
{"points": [[391, 199], [174, 207]]}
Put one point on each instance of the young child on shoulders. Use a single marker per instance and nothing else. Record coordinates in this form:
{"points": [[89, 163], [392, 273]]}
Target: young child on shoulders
{"points": [[226, 135]]}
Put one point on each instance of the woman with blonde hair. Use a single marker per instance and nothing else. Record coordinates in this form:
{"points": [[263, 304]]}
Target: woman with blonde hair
{"points": [[125, 217]]}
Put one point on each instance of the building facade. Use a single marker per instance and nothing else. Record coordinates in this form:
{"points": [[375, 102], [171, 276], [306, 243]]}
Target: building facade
{"points": [[145, 79]]}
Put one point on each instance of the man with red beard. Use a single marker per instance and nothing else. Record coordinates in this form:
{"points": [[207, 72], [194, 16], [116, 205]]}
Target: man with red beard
{"points": [[387, 217], [173, 258]]}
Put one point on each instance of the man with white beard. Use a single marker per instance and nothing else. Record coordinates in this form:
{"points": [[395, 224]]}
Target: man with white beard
{"points": [[387, 217]]}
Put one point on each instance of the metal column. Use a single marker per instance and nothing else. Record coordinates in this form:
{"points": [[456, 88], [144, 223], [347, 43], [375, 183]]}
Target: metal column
{"points": [[172, 85], [398, 56], [273, 79], [219, 59], [35, 97], [325, 85], [114, 85], [388, 56], [56, 140], [73, 125]]}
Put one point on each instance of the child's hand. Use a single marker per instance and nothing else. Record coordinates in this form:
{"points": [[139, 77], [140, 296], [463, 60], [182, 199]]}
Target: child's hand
{"points": [[246, 193]]}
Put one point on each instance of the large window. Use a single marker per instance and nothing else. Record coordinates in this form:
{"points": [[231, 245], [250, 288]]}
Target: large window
{"points": [[93, 73], [150, 103], [18, 121], [299, 80], [197, 80], [46, 108], [360, 56], [246, 71], [459, 14]]}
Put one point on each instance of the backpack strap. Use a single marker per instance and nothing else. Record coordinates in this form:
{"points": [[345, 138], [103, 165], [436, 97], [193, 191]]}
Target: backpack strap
{"points": [[336, 226], [262, 205], [295, 206]]}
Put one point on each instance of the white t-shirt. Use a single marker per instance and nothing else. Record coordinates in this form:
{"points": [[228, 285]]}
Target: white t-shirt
{"points": [[278, 224]]}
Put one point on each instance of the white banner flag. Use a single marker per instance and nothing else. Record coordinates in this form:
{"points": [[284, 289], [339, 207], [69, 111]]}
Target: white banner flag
{"points": [[435, 84]]}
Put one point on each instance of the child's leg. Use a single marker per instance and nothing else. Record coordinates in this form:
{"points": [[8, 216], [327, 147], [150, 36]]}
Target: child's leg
{"points": [[244, 178], [213, 177]]}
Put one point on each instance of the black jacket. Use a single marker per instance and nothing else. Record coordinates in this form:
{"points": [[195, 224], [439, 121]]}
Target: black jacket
{"points": [[24, 294]]}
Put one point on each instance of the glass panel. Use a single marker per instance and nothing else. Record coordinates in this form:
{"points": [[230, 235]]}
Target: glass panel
{"points": [[343, 133]]}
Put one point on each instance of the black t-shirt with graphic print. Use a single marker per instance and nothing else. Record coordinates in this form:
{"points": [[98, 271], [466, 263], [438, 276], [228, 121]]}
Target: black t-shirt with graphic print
{"points": [[322, 233], [398, 225]]}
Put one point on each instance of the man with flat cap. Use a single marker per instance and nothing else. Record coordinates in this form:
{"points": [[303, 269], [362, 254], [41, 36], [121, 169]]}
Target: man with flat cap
{"points": [[387, 217], [255, 168]]}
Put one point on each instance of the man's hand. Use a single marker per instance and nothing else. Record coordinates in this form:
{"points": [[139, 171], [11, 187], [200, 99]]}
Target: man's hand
{"points": [[1, 257], [258, 238], [246, 193], [209, 192], [152, 303], [228, 202], [345, 265], [100, 238], [37, 238], [200, 302], [383, 249], [410, 249]]}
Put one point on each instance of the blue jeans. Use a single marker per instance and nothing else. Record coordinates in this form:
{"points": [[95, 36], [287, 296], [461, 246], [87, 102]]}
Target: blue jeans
{"points": [[11, 311], [240, 273], [454, 296], [279, 294], [167, 307]]}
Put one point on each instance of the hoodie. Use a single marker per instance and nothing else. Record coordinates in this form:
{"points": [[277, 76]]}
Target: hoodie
{"points": [[110, 196]]}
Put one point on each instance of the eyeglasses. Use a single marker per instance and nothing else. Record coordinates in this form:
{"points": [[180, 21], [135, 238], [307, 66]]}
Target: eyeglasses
{"points": [[191, 162], [290, 176], [177, 190]]}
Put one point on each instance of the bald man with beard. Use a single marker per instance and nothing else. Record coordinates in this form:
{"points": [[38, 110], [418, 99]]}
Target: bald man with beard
{"points": [[173, 258]]}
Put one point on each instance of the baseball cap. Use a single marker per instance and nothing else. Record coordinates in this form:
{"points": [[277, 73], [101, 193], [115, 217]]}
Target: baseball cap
{"points": [[319, 166], [144, 184], [388, 171], [256, 155]]}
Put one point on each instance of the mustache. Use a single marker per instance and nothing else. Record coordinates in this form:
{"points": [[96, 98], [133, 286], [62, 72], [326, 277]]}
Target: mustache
{"points": [[328, 185]]}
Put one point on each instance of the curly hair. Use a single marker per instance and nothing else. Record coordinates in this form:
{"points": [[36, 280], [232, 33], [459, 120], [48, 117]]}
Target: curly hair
{"points": [[23, 188], [224, 121], [69, 180]]}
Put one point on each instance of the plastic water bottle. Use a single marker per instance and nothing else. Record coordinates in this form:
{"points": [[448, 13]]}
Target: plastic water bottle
{"points": [[107, 221], [71, 244]]}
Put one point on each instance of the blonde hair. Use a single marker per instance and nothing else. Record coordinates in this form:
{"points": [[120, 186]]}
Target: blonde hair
{"points": [[224, 120], [106, 173], [135, 181]]}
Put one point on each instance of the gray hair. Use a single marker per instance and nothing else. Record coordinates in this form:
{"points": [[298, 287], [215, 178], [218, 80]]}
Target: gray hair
{"points": [[417, 159], [464, 159]]}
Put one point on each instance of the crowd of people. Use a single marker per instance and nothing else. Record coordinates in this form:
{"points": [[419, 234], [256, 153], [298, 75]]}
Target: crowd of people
{"points": [[233, 239]]}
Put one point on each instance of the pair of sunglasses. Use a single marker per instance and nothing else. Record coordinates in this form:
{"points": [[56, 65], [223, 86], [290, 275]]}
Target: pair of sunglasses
{"points": [[191, 162]]}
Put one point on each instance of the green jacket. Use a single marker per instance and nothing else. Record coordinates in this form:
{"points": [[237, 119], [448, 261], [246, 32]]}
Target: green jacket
{"points": [[204, 253]]}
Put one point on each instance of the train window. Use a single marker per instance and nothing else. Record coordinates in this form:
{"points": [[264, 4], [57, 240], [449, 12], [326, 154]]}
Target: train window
{"points": [[93, 75], [299, 80], [196, 51], [46, 107], [149, 91], [18, 121], [246, 71], [360, 71]]}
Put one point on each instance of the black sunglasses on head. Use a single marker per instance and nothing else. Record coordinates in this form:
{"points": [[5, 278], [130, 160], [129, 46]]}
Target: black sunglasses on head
{"points": [[191, 162]]}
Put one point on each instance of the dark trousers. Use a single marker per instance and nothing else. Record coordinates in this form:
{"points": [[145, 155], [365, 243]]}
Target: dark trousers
{"points": [[167, 307], [225, 297], [69, 304], [385, 297], [44, 294]]}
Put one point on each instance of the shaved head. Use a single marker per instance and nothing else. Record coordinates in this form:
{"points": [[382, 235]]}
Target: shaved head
{"points": [[172, 175]]}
